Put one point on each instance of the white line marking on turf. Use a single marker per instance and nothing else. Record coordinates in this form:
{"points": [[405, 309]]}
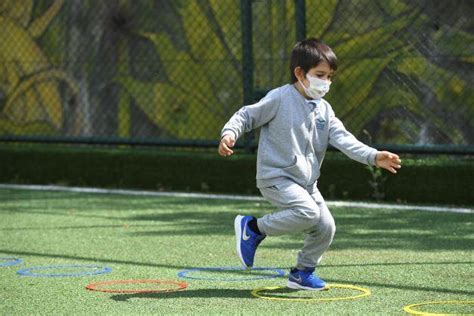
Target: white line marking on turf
{"points": [[231, 197], [401, 207], [129, 192]]}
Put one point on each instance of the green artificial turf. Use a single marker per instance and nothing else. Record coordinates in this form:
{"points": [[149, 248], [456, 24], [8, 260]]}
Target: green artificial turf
{"points": [[402, 257]]}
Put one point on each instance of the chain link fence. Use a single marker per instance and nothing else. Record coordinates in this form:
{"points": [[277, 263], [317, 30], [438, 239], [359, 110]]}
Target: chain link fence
{"points": [[172, 72]]}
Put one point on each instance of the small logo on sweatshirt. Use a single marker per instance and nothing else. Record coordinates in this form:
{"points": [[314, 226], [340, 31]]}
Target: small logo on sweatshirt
{"points": [[320, 123]]}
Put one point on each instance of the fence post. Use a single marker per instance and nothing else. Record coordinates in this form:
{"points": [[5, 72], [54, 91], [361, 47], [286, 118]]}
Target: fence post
{"points": [[300, 19], [247, 60]]}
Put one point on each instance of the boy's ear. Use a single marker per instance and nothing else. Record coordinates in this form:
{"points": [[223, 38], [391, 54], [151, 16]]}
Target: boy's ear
{"points": [[299, 73]]}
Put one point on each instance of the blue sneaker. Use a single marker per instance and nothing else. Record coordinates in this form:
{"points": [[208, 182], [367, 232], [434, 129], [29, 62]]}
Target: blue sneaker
{"points": [[305, 280], [247, 240]]}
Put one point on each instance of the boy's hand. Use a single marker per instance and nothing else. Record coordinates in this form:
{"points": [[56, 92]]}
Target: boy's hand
{"points": [[227, 142], [388, 160]]}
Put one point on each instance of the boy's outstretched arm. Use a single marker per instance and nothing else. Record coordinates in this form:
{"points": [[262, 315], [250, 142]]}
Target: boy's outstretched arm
{"points": [[248, 118], [227, 142], [388, 161]]}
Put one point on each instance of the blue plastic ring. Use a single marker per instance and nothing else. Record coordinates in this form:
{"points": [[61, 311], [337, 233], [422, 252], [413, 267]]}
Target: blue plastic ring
{"points": [[12, 262], [278, 273], [27, 271]]}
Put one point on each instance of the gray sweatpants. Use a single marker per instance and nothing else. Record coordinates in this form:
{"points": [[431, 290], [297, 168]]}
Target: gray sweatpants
{"points": [[300, 210]]}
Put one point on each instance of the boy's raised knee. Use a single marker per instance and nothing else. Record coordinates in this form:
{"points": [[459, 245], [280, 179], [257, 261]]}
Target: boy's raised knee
{"points": [[327, 225], [310, 212]]}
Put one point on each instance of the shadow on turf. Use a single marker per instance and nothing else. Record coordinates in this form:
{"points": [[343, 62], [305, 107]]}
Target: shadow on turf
{"points": [[124, 225], [404, 287], [392, 264], [381, 229], [200, 293], [396, 230], [370, 229], [239, 293], [90, 259], [205, 216], [246, 273]]}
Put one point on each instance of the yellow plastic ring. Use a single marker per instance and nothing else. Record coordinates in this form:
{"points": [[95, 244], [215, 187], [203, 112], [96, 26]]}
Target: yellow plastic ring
{"points": [[364, 292], [409, 309]]}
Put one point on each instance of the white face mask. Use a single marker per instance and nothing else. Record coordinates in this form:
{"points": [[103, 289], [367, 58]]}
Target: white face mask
{"points": [[317, 87]]}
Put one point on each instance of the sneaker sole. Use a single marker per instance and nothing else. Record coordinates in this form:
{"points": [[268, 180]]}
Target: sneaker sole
{"points": [[238, 236], [296, 286]]}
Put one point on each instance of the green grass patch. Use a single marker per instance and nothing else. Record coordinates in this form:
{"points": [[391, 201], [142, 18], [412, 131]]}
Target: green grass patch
{"points": [[402, 257]]}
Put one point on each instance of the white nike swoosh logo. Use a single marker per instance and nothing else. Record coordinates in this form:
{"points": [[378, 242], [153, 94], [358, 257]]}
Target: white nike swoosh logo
{"points": [[298, 279], [244, 232]]}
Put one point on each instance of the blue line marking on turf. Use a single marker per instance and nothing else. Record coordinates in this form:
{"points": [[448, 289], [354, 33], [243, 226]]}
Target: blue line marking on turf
{"points": [[27, 271], [278, 273], [11, 262]]}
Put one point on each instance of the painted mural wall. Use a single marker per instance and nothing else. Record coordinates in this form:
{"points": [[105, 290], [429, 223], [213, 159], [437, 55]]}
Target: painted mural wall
{"points": [[173, 69]]}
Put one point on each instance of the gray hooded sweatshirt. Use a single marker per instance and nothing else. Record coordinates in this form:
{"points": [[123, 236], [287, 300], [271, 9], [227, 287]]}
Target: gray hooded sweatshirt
{"points": [[294, 136]]}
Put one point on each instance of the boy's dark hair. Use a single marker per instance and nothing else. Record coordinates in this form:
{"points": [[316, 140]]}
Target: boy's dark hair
{"points": [[308, 54]]}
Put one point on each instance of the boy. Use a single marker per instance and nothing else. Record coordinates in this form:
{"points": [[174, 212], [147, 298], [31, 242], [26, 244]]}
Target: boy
{"points": [[296, 126]]}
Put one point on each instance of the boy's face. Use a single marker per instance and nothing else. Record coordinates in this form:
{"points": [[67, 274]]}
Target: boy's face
{"points": [[322, 71]]}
